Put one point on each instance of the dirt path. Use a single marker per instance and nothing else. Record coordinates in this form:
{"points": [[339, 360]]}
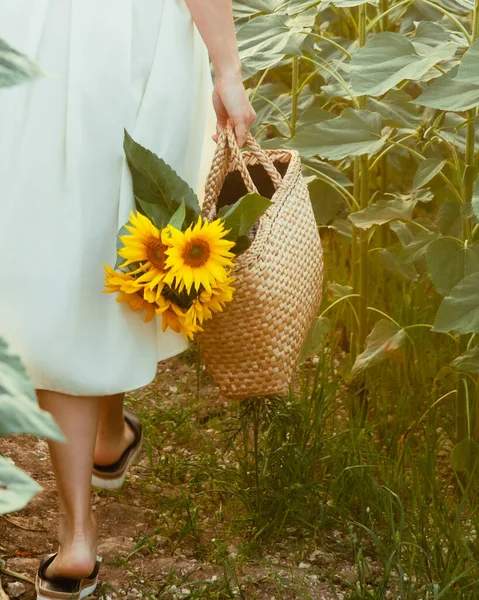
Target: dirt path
{"points": [[145, 543]]}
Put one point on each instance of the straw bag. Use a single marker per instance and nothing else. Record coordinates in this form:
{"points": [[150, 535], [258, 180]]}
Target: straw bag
{"points": [[251, 349]]}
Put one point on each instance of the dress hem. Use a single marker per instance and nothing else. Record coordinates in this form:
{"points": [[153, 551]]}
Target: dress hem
{"points": [[113, 392]]}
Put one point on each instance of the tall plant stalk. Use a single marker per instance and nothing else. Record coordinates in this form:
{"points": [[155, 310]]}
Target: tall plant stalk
{"points": [[363, 174], [294, 95]]}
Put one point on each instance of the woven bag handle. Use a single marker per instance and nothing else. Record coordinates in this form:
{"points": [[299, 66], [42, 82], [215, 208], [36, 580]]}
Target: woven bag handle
{"points": [[228, 153]]}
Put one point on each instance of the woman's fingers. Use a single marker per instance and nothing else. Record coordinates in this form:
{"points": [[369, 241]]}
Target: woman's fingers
{"points": [[231, 102]]}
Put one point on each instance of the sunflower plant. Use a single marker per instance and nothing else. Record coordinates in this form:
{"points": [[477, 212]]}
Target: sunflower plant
{"points": [[172, 261]]}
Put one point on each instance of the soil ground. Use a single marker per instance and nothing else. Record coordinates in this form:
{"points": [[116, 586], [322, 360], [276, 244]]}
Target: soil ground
{"points": [[146, 552]]}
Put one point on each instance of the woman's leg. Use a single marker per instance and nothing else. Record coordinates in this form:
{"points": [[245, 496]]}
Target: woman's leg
{"points": [[114, 434], [73, 463]]}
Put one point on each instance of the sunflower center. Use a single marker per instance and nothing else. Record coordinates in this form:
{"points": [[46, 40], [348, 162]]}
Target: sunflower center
{"points": [[156, 254], [196, 253]]}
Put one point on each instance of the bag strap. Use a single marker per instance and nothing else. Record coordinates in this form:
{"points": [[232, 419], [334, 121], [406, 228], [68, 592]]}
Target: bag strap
{"points": [[228, 154]]}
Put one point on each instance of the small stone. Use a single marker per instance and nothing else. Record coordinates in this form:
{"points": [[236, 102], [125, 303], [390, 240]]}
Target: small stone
{"points": [[16, 589], [349, 574], [113, 547], [303, 565]]}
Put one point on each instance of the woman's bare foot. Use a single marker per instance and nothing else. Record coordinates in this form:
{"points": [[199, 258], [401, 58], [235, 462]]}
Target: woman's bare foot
{"points": [[77, 552], [110, 444]]}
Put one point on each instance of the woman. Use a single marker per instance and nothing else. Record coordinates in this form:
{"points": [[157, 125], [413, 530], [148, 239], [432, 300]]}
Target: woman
{"points": [[65, 191]]}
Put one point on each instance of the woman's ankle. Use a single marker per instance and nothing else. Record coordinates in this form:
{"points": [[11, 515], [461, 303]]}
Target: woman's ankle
{"points": [[110, 445], [77, 549]]}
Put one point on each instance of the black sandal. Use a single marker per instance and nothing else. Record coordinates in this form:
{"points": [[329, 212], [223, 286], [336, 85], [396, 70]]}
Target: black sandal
{"points": [[64, 588], [112, 477]]}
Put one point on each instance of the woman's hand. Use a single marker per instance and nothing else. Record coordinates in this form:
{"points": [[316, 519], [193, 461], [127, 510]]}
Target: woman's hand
{"points": [[230, 101]]}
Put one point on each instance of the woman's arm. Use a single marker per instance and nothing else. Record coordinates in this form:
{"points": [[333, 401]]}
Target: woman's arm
{"points": [[214, 20]]}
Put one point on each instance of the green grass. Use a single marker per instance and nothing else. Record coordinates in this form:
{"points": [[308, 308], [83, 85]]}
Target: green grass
{"points": [[285, 476]]}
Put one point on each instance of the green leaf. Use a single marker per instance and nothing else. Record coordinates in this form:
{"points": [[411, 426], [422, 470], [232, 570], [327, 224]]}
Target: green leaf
{"points": [[345, 3], [449, 93], [156, 183], [429, 35], [468, 362], [265, 40], [449, 218], [354, 133], [389, 58], [15, 67], [383, 212], [464, 455], [178, 218], [240, 217], [416, 248], [395, 109], [19, 410], [449, 261], [460, 310], [385, 338], [243, 243], [392, 259], [328, 204], [158, 215], [312, 116], [16, 488], [315, 340], [468, 69], [426, 171], [339, 291], [250, 8]]}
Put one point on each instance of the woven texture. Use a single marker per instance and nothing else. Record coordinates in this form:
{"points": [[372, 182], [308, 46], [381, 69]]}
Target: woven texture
{"points": [[252, 348]]}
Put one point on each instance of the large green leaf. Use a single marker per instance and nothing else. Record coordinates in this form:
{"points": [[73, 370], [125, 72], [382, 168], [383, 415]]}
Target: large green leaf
{"points": [[449, 93], [328, 204], [354, 133], [460, 310], [385, 338], [392, 260], [416, 248], [429, 35], [265, 40], [395, 109], [155, 182], [240, 217], [250, 8], [468, 361], [15, 67], [426, 171], [346, 3], [382, 212], [389, 58], [315, 340], [19, 410], [16, 487], [449, 261], [468, 69]]}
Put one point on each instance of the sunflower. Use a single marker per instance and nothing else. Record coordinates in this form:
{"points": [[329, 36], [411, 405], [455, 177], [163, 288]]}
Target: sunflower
{"points": [[144, 245], [208, 303], [120, 282], [138, 302], [199, 256], [221, 293], [175, 318]]}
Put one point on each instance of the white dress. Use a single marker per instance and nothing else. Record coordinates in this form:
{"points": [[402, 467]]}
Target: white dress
{"points": [[65, 189]]}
